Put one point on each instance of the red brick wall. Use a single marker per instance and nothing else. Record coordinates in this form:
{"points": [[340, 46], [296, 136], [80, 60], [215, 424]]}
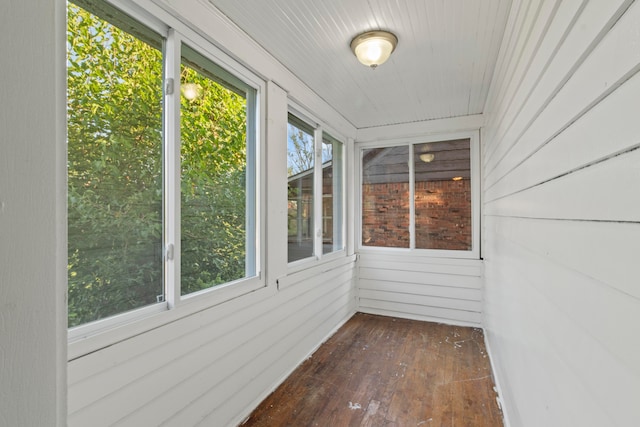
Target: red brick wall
{"points": [[443, 215], [385, 215]]}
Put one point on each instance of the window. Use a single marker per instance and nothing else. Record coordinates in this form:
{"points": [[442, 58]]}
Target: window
{"points": [[115, 166], [385, 197], [442, 195], [125, 214], [315, 205], [300, 186], [332, 191], [216, 232], [419, 196]]}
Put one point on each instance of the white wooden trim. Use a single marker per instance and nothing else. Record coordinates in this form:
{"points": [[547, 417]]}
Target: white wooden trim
{"points": [[350, 195], [127, 325], [317, 270], [60, 271], [317, 192], [172, 171], [497, 379], [412, 199], [474, 147], [420, 129], [448, 317], [274, 176]]}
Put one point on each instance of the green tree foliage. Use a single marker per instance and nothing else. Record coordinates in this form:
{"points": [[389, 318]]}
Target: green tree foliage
{"points": [[115, 179], [213, 159], [300, 151]]}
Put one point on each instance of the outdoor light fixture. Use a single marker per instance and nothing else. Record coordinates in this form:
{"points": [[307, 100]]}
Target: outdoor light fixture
{"points": [[427, 157], [374, 47], [190, 90]]}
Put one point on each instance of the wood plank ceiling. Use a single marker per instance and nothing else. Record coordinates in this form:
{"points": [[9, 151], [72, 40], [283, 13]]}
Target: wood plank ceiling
{"points": [[442, 66]]}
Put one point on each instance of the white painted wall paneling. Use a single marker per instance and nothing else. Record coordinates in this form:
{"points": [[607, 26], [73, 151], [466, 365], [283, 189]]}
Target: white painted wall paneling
{"points": [[562, 215], [440, 290], [235, 356], [581, 144], [588, 28], [571, 360], [32, 215], [545, 56]]}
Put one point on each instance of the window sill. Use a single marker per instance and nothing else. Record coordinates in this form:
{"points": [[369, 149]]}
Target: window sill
{"points": [[310, 267], [421, 253], [97, 335]]}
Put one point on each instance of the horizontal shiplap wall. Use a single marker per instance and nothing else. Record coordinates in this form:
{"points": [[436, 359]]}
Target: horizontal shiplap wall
{"points": [[561, 234], [211, 368], [433, 289]]}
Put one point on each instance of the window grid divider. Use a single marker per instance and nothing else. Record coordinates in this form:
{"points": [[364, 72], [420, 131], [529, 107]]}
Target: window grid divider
{"points": [[412, 199], [317, 192], [172, 178]]}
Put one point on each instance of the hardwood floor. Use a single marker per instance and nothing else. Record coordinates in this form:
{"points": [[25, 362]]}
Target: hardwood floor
{"points": [[384, 371]]}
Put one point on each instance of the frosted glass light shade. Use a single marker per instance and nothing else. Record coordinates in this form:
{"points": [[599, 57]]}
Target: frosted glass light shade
{"points": [[190, 90], [427, 157], [374, 47]]}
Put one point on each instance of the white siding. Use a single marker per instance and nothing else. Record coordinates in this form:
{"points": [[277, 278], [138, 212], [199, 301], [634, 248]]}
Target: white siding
{"points": [[433, 289], [32, 215], [562, 214], [213, 367]]}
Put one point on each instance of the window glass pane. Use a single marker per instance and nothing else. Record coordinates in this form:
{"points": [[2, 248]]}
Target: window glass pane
{"points": [[214, 220], [385, 197], [443, 195], [332, 201], [300, 165], [114, 116]]}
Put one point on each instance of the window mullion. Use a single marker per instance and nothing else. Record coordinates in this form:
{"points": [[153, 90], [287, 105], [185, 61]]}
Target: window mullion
{"points": [[338, 197], [412, 200], [317, 192], [172, 168]]}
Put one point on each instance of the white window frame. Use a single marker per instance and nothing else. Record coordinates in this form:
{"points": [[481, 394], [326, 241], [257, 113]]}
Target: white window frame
{"points": [[92, 336], [474, 147], [339, 203], [321, 129]]}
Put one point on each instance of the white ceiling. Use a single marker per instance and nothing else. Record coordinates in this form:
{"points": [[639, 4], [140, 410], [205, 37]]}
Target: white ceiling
{"points": [[442, 66]]}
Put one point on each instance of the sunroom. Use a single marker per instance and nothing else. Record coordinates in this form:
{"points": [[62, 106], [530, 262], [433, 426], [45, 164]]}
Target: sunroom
{"points": [[197, 194]]}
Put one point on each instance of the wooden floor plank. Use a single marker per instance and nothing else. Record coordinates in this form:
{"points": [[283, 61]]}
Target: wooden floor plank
{"points": [[384, 371]]}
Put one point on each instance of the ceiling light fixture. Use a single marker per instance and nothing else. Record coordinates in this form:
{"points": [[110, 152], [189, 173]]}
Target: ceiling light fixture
{"points": [[374, 47]]}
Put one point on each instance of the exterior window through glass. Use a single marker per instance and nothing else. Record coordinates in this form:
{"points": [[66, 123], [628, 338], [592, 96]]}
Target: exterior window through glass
{"points": [[300, 173], [213, 130], [122, 204], [115, 139], [385, 197], [443, 195], [425, 206], [332, 179]]}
